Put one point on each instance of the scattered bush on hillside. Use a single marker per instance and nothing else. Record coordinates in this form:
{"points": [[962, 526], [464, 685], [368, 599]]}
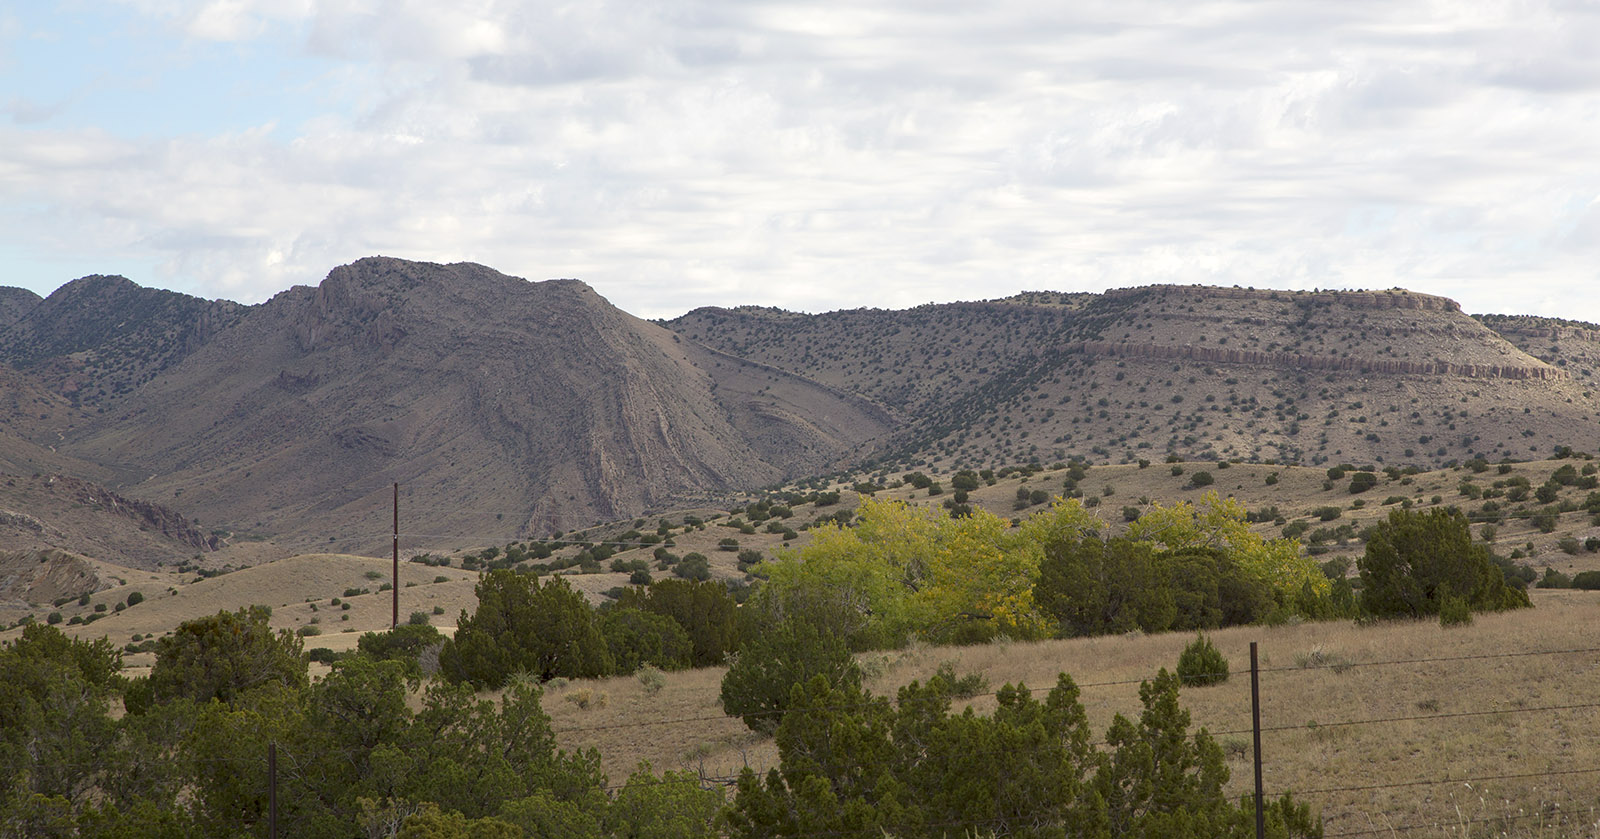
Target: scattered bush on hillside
{"points": [[1586, 580]]}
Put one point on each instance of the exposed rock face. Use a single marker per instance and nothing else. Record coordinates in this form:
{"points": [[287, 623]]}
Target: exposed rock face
{"points": [[34, 578], [57, 512], [504, 408], [1365, 366]]}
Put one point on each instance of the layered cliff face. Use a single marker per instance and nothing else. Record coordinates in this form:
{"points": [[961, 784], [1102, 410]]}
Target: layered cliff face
{"points": [[504, 408], [1387, 376], [61, 513]]}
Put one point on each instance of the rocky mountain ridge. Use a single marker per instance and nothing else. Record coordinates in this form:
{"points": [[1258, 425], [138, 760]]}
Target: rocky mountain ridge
{"points": [[509, 409]]}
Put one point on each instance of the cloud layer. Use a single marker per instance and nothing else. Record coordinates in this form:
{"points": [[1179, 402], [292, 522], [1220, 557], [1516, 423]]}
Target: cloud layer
{"points": [[827, 155]]}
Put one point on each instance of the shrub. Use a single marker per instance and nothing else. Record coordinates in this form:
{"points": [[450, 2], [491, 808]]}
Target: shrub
{"points": [[651, 679], [1587, 580], [1414, 561], [418, 619], [224, 655], [693, 567], [584, 697], [1454, 611], [704, 610], [1554, 579], [308, 631], [757, 688], [637, 638], [1201, 479], [135, 598], [1201, 664], [1362, 481], [53, 619], [354, 592]]}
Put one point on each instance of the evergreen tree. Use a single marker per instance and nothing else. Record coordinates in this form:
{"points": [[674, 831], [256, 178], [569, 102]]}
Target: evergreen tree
{"points": [[1414, 560], [522, 626]]}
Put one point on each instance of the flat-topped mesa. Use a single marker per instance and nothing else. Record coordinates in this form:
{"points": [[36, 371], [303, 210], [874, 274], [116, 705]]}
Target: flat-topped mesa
{"points": [[1258, 358], [1396, 298]]}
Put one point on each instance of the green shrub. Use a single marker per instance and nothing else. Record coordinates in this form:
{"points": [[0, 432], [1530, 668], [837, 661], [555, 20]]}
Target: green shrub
{"points": [[1454, 611], [693, 567], [1587, 580], [637, 638], [1201, 664], [135, 598], [418, 619], [757, 688], [1362, 481], [53, 619], [307, 631]]}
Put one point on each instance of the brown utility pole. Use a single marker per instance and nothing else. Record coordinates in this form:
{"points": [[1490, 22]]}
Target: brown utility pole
{"points": [[396, 588]]}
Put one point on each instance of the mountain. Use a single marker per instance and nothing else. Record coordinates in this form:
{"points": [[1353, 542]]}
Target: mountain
{"points": [[1196, 372], [503, 407], [509, 409], [14, 303], [100, 337]]}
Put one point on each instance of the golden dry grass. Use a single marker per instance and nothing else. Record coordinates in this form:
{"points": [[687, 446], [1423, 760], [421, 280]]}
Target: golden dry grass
{"points": [[1418, 767]]}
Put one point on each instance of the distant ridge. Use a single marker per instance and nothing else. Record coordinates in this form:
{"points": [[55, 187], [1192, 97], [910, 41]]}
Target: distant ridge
{"points": [[512, 409], [506, 408]]}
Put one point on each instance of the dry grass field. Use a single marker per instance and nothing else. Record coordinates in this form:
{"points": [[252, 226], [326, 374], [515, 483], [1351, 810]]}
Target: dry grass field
{"points": [[1473, 731], [1431, 710]]}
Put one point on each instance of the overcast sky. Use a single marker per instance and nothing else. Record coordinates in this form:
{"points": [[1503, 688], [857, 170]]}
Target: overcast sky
{"points": [[812, 155]]}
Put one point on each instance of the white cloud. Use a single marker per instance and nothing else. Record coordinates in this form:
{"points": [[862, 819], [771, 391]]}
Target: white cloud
{"points": [[833, 155]]}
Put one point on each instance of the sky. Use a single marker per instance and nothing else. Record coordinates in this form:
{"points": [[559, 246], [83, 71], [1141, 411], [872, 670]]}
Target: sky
{"points": [[811, 155]]}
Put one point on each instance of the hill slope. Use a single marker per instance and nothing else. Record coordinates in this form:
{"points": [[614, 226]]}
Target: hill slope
{"points": [[1198, 372], [102, 336], [503, 407]]}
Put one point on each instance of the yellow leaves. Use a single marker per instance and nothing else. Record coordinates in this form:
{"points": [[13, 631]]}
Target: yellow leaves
{"points": [[920, 571], [1221, 524], [1066, 520], [923, 570]]}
